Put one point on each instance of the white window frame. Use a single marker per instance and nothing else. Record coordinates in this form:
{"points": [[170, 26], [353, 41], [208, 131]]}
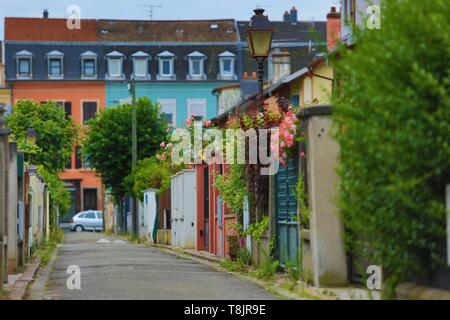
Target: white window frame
{"points": [[166, 56], [227, 56], [88, 55], [196, 57], [190, 102], [173, 104], [141, 56], [55, 55], [113, 56], [26, 55]]}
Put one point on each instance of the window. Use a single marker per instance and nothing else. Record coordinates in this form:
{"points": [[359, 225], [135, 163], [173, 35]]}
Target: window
{"points": [[227, 66], [166, 66], [68, 108], [89, 215], [24, 68], [197, 108], [115, 66], [89, 110], [89, 65], [55, 64], [99, 215], [167, 109], [196, 66], [140, 66], [55, 68]]}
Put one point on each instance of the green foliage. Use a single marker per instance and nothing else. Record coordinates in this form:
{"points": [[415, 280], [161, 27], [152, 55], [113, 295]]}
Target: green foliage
{"points": [[257, 229], [267, 267], [232, 187], [108, 145], [55, 134], [244, 256], [149, 173], [46, 250], [59, 195], [393, 124], [302, 200]]}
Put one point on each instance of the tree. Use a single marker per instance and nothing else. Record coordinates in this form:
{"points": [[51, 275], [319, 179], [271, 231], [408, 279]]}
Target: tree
{"points": [[149, 173], [55, 134], [108, 145], [393, 124]]}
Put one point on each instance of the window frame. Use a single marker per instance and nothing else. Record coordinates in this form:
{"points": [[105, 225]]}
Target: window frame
{"points": [[190, 102], [192, 58], [115, 56], [170, 103], [24, 55], [166, 56], [225, 75], [55, 55], [141, 56], [82, 120]]}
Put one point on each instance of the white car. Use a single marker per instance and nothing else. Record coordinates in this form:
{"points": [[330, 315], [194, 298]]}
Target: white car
{"points": [[87, 220]]}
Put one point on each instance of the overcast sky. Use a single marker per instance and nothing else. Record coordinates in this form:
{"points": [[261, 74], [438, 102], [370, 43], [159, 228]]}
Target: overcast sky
{"points": [[170, 10]]}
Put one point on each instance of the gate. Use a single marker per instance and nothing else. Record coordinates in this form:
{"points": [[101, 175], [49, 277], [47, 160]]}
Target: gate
{"points": [[287, 242]]}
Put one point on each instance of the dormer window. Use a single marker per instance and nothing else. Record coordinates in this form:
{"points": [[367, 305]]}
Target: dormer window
{"points": [[227, 66], [196, 66], [55, 64], [24, 64], [115, 66], [89, 65], [166, 62], [140, 66]]}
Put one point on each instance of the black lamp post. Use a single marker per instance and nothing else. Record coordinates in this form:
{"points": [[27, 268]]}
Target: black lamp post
{"points": [[259, 39]]}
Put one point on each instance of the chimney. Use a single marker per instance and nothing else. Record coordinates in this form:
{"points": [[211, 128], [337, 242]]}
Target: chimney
{"points": [[249, 85], [280, 64], [45, 14], [293, 14], [286, 16], [333, 28]]}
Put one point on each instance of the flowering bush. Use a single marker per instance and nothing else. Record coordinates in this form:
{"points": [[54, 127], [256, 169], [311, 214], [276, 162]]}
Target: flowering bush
{"points": [[288, 135]]}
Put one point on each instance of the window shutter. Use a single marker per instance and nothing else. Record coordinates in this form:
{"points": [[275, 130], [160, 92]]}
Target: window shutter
{"points": [[78, 158], [68, 108]]}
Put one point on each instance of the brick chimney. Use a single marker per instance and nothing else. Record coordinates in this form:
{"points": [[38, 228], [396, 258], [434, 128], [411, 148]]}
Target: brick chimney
{"points": [[280, 64], [333, 28]]}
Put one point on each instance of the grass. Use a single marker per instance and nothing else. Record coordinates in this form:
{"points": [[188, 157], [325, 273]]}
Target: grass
{"points": [[45, 251]]}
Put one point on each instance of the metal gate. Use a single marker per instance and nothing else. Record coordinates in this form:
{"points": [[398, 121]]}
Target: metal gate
{"points": [[287, 242]]}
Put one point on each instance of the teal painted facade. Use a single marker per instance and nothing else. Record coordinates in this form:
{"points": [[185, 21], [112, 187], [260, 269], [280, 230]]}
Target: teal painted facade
{"points": [[179, 92]]}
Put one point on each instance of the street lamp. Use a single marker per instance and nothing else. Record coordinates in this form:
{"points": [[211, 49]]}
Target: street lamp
{"points": [[259, 39], [31, 135]]}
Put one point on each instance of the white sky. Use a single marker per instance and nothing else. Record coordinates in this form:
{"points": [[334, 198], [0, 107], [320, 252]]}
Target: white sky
{"points": [[170, 10]]}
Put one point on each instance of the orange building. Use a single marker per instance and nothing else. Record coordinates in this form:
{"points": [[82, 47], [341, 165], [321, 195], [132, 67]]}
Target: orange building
{"points": [[81, 101]]}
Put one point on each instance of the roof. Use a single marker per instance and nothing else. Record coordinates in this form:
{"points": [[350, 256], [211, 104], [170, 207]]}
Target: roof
{"points": [[40, 29], [301, 31], [168, 31]]}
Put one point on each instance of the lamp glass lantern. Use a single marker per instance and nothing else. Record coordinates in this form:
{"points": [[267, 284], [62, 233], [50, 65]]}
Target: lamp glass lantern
{"points": [[31, 135], [259, 35]]}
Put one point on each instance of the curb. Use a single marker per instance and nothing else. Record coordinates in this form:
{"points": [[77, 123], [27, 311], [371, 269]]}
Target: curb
{"points": [[215, 263], [19, 288], [37, 288]]}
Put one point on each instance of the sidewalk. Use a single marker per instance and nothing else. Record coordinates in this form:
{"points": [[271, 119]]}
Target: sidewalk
{"points": [[17, 285], [278, 284]]}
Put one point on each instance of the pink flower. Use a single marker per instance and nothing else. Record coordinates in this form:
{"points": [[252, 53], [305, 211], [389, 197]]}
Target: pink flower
{"points": [[163, 144], [282, 144], [188, 122], [163, 156], [207, 123], [302, 154], [169, 146]]}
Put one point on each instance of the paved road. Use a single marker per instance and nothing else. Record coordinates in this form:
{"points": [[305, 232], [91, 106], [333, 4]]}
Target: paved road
{"points": [[130, 271]]}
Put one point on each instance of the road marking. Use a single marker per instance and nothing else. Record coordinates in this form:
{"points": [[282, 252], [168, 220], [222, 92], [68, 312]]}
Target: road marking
{"points": [[103, 240], [119, 241]]}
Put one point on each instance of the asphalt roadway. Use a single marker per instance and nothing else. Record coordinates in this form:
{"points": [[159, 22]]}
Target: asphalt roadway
{"points": [[114, 269]]}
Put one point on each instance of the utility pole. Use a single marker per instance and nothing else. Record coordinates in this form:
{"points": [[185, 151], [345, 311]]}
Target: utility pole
{"points": [[132, 88]]}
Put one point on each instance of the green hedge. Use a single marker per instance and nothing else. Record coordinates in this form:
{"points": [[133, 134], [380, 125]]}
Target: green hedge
{"points": [[392, 120]]}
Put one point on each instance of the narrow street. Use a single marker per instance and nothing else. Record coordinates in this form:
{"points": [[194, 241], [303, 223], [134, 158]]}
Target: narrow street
{"points": [[130, 271]]}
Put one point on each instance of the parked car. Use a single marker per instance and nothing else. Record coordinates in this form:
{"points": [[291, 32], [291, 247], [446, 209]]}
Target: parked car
{"points": [[87, 220]]}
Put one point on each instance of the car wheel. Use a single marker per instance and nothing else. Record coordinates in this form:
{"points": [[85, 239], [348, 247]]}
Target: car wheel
{"points": [[79, 228]]}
